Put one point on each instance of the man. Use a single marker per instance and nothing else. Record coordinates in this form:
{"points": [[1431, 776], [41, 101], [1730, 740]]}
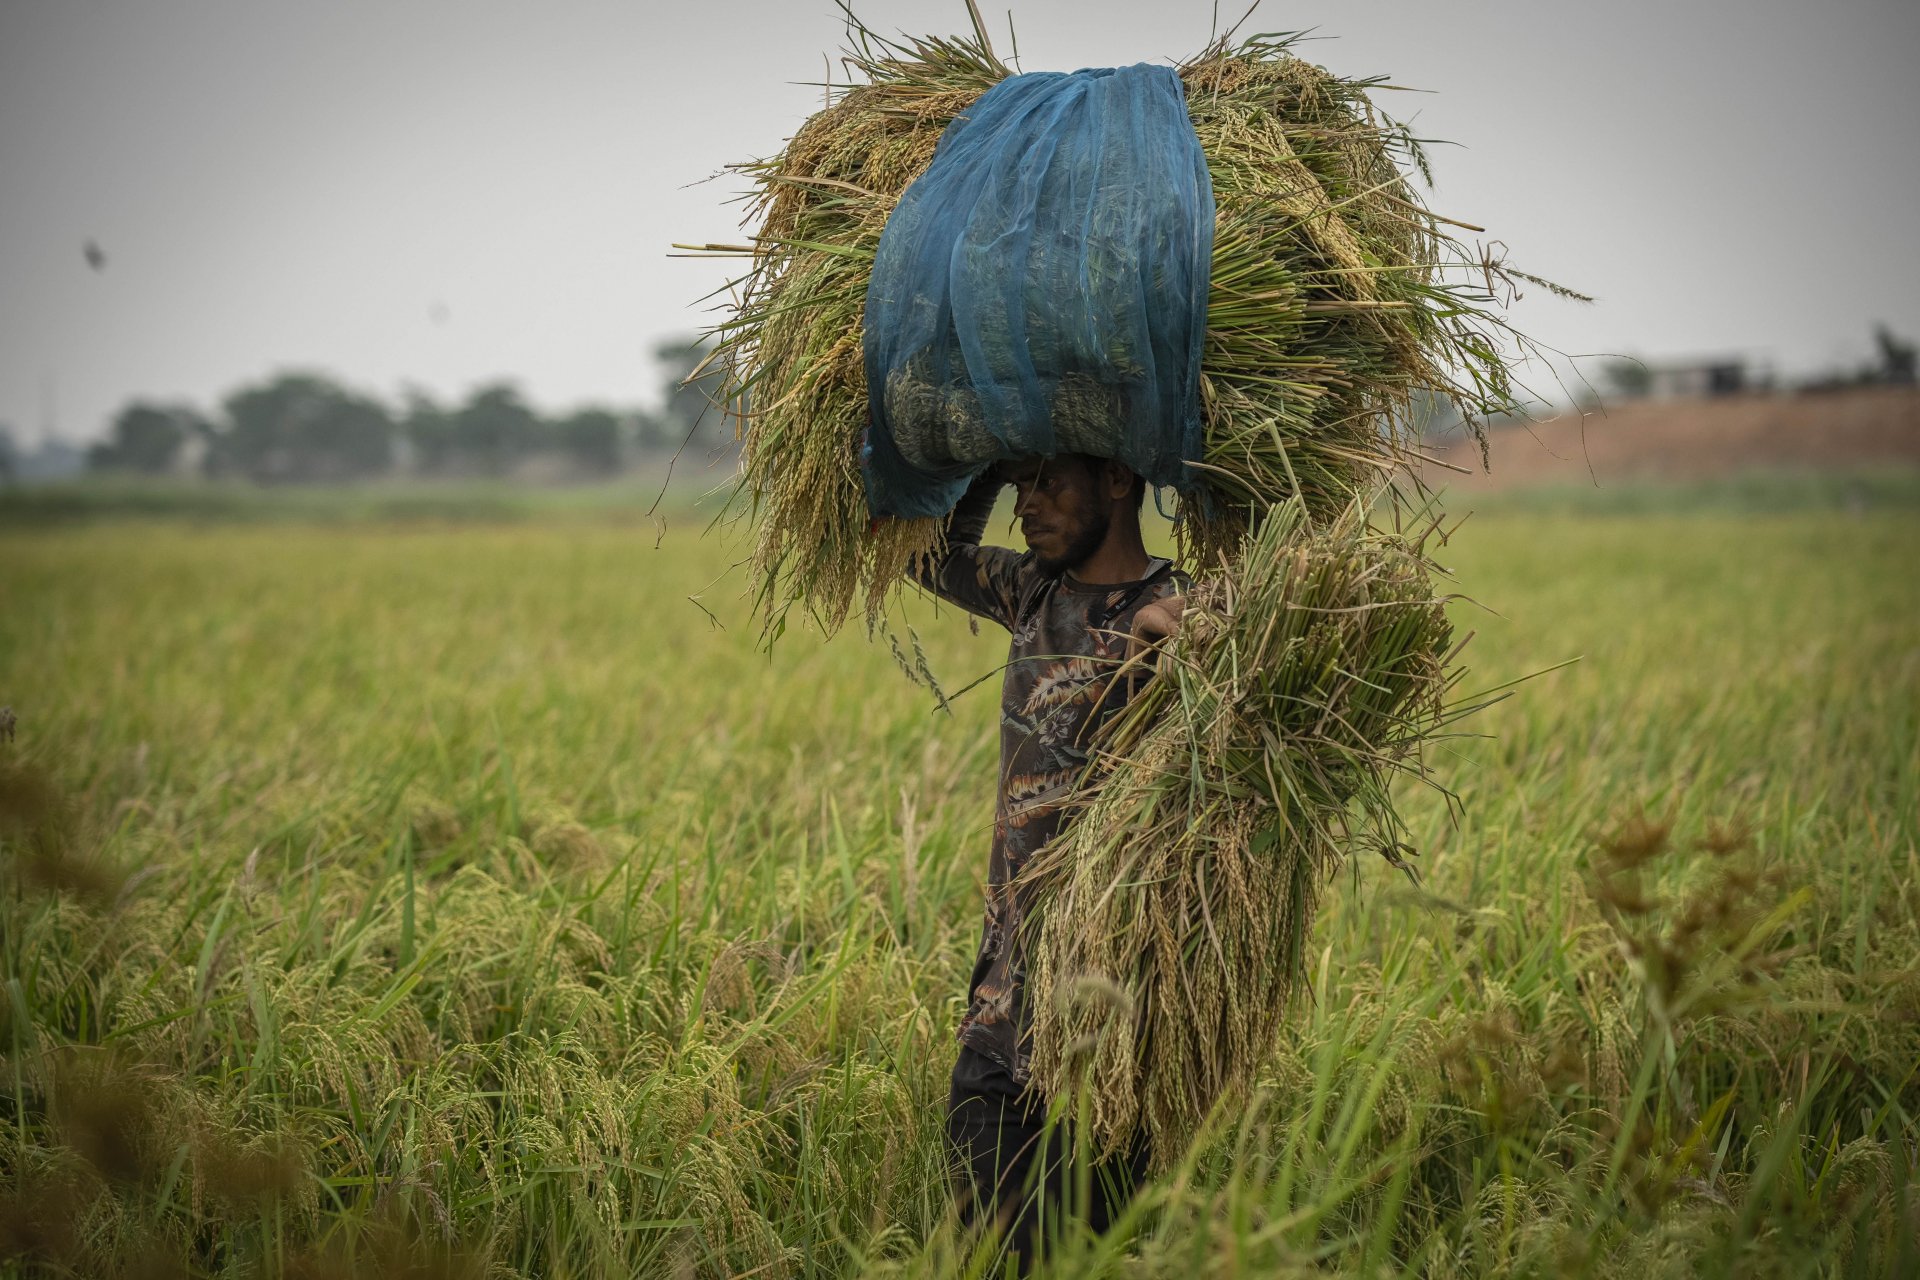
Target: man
{"points": [[1083, 599]]}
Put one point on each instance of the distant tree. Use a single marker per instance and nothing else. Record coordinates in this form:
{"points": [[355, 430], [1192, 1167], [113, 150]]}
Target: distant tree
{"points": [[690, 413], [9, 455], [1627, 377], [494, 429], [304, 427], [651, 433], [427, 429], [591, 440], [146, 438], [1897, 358]]}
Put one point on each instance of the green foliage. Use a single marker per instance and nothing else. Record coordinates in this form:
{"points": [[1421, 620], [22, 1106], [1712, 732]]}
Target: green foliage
{"points": [[591, 438], [146, 438], [1627, 377], [383, 900], [692, 416], [494, 429], [427, 429], [303, 427]]}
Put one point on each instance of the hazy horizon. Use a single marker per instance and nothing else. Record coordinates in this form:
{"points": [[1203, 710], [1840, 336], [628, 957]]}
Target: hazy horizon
{"points": [[442, 195]]}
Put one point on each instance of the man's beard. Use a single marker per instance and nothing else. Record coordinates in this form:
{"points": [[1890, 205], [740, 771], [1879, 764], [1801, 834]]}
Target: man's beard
{"points": [[1084, 544]]}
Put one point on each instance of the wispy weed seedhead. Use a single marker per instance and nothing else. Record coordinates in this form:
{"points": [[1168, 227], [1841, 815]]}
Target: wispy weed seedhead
{"points": [[1696, 937], [109, 1115], [42, 840], [40, 1215], [391, 1247]]}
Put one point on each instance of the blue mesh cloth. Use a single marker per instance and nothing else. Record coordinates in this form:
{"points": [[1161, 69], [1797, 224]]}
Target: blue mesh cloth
{"points": [[1042, 289]]}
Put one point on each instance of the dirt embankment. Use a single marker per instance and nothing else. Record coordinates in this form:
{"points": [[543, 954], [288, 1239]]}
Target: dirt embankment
{"points": [[1692, 440]]}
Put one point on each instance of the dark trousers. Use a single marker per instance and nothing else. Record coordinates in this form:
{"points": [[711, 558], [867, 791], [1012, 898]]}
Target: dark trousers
{"points": [[1014, 1171]]}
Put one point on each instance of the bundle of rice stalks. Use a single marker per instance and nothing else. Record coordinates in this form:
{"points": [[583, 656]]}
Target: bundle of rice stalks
{"points": [[1338, 304], [1169, 919]]}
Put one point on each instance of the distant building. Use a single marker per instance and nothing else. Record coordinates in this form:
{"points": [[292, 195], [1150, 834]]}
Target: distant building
{"points": [[1695, 379]]}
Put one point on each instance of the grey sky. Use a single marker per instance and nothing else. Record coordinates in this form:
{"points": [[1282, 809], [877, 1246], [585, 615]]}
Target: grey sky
{"points": [[444, 193]]}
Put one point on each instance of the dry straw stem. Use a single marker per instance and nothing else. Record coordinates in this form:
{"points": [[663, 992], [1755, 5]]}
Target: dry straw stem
{"points": [[1168, 922], [1338, 307]]}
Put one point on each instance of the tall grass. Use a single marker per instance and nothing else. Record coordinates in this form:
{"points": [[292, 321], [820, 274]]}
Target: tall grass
{"points": [[465, 900]]}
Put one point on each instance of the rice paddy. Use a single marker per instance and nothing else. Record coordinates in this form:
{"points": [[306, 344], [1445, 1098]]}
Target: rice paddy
{"points": [[482, 899]]}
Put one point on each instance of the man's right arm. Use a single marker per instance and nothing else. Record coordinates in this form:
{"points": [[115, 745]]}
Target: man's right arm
{"points": [[982, 580]]}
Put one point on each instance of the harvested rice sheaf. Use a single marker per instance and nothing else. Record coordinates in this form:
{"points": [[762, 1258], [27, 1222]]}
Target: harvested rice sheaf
{"points": [[1168, 922], [1338, 305]]}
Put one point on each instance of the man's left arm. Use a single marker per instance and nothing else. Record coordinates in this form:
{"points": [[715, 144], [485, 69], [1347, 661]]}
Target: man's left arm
{"points": [[983, 580]]}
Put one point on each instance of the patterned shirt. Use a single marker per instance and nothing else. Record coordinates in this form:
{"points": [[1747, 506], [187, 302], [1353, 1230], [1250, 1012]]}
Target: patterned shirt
{"points": [[1069, 637]]}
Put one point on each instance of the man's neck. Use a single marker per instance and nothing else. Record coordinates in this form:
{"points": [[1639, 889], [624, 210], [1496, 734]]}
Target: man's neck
{"points": [[1121, 558]]}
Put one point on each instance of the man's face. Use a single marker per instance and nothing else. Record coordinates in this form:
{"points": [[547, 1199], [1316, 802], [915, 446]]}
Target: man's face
{"points": [[1063, 507]]}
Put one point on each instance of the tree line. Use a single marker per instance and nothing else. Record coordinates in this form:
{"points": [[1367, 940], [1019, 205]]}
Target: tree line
{"points": [[308, 428]]}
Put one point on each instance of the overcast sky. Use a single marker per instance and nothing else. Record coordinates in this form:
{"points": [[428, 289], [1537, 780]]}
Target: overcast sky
{"points": [[439, 194]]}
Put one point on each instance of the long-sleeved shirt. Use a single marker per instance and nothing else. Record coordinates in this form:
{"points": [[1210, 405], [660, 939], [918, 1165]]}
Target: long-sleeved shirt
{"points": [[1069, 638]]}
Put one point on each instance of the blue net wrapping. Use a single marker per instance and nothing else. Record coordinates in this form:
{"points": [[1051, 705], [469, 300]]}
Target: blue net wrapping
{"points": [[1042, 289]]}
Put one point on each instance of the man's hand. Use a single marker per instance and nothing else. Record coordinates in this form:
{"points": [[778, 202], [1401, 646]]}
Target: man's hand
{"points": [[1154, 623]]}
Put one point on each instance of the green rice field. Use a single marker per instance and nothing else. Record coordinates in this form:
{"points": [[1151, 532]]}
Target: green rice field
{"points": [[471, 896]]}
